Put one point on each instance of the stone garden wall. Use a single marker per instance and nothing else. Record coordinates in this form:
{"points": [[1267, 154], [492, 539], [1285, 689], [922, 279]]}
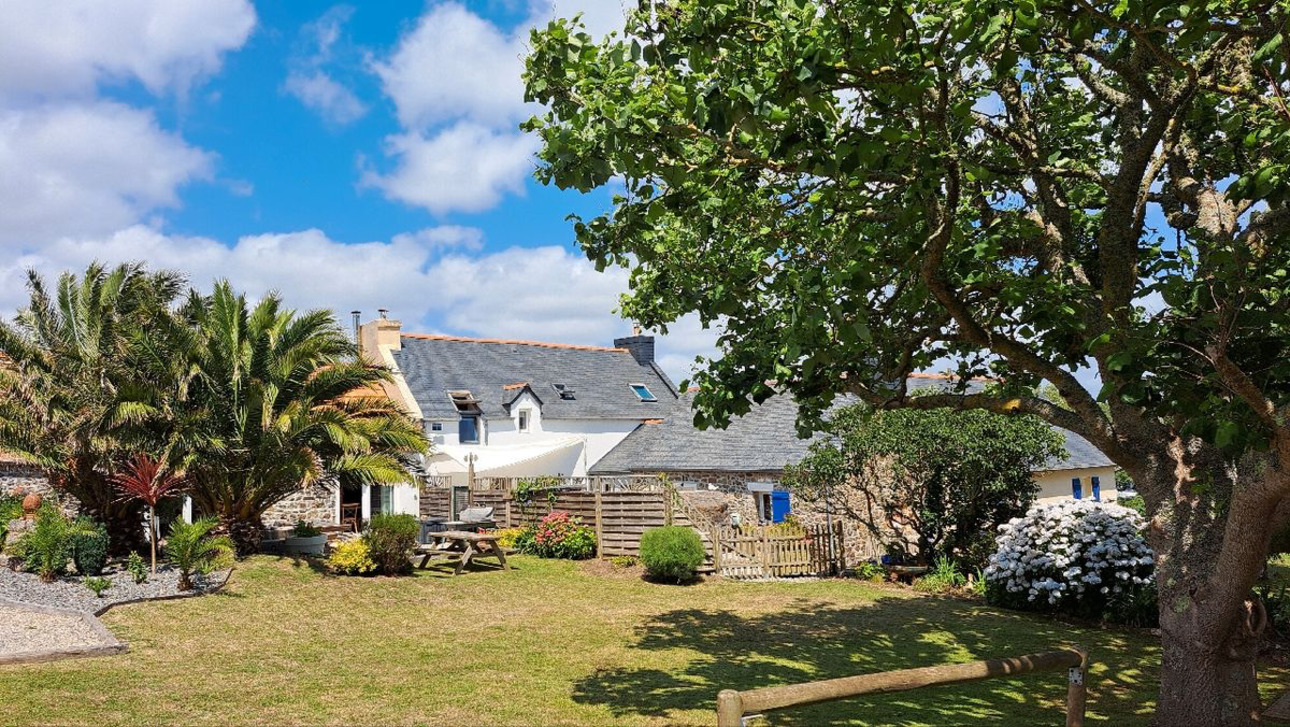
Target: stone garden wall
{"points": [[315, 505], [22, 479], [732, 496]]}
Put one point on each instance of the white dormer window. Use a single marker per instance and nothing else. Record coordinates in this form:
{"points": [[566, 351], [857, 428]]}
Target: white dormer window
{"points": [[643, 392], [524, 418]]}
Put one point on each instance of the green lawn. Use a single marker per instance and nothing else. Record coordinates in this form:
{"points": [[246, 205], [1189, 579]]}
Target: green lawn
{"points": [[556, 643]]}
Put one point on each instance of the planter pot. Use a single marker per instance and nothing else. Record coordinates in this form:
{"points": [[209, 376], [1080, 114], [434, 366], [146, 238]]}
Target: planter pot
{"points": [[314, 545]]}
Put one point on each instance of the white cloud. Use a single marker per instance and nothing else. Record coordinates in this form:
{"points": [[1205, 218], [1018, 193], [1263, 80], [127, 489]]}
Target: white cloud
{"points": [[87, 169], [65, 48], [466, 167], [454, 64], [320, 92], [455, 80], [545, 293], [444, 237], [309, 81]]}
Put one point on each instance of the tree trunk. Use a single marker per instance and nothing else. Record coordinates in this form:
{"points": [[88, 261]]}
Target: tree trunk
{"points": [[245, 534], [1210, 529], [1207, 675], [152, 535]]}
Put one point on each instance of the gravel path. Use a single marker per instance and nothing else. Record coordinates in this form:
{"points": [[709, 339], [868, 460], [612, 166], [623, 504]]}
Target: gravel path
{"points": [[70, 592], [28, 630]]}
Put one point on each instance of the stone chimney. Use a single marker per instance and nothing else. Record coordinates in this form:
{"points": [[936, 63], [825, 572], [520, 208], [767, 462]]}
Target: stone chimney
{"points": [[378, 334], [641, 347]]}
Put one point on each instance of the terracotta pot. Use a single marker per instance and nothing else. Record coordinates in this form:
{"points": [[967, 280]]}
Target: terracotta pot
{"points": [[31, 503]]}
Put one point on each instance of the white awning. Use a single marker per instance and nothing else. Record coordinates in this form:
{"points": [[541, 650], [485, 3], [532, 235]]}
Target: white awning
{"points": [[558, 456]]}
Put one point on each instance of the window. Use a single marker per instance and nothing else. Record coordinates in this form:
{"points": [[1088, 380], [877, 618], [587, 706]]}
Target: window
{"points": [[1077, 490], [563, 390], [436, 426], [468, 429], [464, 401], [643, 392], [1097, 488], [524, 420]]}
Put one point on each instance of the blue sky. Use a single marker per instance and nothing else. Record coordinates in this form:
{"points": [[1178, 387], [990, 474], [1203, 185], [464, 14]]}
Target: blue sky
{"points": [[349, 156]]}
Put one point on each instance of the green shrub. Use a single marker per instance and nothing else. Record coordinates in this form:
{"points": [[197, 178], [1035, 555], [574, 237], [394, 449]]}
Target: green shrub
{"points": [[137, 569], [351, 558], [623, 562], [191, 548], [524, 540], [47, 548], [1134, 503], [97, 584], [508, 537], [89, 546], [945, 577], [559, 535], [870, 571], [671, 553], [305, 530], [390, 541], [10, 509]]}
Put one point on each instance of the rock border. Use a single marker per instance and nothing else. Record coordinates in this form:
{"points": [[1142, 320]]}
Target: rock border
{"points": [[111, 645], [172, 597]]}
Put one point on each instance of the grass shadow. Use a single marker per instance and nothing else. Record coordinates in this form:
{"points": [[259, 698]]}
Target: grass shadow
{"points": [[811, 641]]}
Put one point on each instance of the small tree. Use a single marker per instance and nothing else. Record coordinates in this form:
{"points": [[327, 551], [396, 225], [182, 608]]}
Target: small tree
{"points": [[192, 548], [949, 476], [147, 480]]}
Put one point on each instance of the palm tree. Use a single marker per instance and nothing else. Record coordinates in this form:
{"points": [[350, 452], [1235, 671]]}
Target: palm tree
{"points": [[286, 403], [71, 397], [149, 481]]}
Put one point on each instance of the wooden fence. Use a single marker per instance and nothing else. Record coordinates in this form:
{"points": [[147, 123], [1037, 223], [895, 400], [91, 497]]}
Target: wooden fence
{"points": [[777, 551], [619, 517], [732, 705]]}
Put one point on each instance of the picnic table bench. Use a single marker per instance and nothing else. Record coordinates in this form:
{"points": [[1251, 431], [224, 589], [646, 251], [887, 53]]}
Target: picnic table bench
{"points": [[462, 545]]}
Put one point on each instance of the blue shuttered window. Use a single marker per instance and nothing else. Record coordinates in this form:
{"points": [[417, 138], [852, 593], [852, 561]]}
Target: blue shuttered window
{"points": [[1097, 489], [1077, 490]]}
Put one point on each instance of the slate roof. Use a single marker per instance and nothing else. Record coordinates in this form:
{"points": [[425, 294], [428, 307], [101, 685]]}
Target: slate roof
{"points": [[600, 377], [763, 440]]}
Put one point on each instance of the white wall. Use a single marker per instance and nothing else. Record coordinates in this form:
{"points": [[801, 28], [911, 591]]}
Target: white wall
{"points": [[1056, 486]]}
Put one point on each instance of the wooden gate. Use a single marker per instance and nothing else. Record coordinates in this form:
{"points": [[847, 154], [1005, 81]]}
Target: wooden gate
{"points": [[777, 551]]}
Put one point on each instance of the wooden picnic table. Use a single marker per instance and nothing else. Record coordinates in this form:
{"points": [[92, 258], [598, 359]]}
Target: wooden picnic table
{"points": [[463, 545]]}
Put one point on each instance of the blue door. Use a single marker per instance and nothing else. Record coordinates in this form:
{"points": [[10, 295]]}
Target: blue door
{"points": [[1097, 489], [779, 506], [1077, 491]]}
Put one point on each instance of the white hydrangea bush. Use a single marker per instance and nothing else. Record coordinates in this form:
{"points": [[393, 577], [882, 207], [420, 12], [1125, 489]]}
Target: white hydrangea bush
{"points": [[1080, 557]]}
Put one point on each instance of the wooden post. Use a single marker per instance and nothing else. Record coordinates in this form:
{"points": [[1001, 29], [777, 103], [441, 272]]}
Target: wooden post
{"points": [[1077, 691], [765, 552], [730, 709], [714, 536], [600, 528], [667, 507], [839, 549], [508, 510]]}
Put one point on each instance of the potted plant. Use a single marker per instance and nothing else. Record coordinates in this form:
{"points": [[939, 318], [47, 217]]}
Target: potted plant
{"points": [[305, 539]]}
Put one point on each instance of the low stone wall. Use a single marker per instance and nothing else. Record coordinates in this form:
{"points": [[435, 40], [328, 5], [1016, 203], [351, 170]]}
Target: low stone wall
{"points": [[22, 479], [315, 505]]}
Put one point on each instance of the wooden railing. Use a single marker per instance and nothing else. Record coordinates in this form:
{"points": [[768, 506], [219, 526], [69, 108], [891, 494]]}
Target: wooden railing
{"points": [[733, 705]]}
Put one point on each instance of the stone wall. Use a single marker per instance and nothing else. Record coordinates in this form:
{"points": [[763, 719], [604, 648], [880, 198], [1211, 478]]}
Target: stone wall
{"points": [[731, 496], [21, 479], [315, 505]]}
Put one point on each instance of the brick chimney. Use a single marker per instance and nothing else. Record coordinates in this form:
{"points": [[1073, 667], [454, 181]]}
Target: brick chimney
{"points": [[641, 347]]}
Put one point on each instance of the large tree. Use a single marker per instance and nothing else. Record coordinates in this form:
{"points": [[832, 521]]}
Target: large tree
{"points": [[855, 189], [938, 480], [285, 402], [72, 397]]}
